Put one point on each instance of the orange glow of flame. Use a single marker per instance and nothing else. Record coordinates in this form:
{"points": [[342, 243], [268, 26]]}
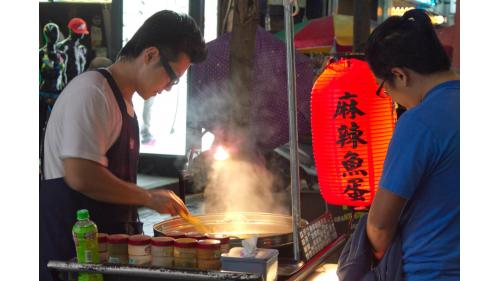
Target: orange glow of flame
{"points": [[221, 153]]}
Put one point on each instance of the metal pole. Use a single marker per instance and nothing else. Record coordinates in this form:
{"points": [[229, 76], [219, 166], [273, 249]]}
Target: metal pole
{"points": [[292, 115], [333, 7]]}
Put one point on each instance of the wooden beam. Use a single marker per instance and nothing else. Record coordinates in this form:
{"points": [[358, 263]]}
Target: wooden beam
{"points": [[361, 27], [241, 66]]}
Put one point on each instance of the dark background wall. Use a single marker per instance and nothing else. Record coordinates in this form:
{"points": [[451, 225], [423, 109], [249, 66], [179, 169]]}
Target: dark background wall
{"points": [[61, 13]]}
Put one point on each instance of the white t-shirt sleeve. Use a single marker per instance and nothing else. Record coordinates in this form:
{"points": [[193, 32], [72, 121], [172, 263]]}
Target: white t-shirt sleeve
{"points": [[89, 124]]}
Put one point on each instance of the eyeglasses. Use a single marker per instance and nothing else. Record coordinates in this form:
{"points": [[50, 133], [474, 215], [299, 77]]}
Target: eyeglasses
{"points": [[380, 91], [174, 80]]}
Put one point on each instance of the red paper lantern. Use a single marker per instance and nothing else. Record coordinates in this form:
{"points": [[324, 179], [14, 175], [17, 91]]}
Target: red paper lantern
{"points": [[351, 130]]}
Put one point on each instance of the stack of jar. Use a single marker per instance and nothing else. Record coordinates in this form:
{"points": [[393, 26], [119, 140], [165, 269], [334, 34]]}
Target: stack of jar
{"points": [[139, 249], [190, 250], [118, 248], [208, 253], [162, 251], [102, 238]]}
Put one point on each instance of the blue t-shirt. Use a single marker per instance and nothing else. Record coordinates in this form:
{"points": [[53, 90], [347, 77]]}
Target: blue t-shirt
{"points": [[423, 166]]}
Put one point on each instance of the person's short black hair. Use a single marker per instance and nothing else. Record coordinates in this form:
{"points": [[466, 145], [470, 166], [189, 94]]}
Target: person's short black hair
{"points": [[172, 33], [406, 41]]}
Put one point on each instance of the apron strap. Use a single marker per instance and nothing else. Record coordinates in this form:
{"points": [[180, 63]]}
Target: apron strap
{"points": [[114, 87]]}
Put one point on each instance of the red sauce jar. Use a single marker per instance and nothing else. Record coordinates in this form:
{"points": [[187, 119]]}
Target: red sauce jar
{"points": [[208, 253], [162, 246], [224, 242], [118, 248], [139, 245], [185, 252], [103, 242]]}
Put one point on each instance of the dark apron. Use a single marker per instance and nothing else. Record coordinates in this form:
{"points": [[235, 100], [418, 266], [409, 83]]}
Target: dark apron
{"points": [[59, 203]]}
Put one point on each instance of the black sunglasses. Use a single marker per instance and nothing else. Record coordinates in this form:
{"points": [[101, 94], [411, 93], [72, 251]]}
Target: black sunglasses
{"points": [[174, 80], [380, 87]]}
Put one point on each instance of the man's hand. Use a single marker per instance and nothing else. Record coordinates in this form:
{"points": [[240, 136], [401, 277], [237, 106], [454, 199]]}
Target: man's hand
{"points": [[97, 182], [165, 201]]}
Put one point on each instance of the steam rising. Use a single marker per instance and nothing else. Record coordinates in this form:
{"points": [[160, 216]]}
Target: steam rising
{"points": [[217, 108], [243, 184], [240, 186]]}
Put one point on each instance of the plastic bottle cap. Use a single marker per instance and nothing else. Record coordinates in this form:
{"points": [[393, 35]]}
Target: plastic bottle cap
{"points": [[82, 214]]}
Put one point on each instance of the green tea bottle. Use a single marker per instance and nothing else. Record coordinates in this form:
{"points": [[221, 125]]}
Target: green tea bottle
{"points": [[86, 243]]}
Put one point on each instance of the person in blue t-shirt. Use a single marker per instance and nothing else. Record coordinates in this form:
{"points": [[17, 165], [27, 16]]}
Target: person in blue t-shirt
{"points": [[419, 189]]}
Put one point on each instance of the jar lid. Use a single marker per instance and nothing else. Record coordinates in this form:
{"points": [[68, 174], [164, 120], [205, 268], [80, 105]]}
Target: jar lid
{"points": [[162, 241], [117, 238], [175, 234], [224, 239], [102, 237], [139, 239], [185, 243], [195, 235], [209, 244]]}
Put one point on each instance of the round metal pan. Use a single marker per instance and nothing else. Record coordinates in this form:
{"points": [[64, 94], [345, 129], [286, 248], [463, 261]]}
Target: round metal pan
{"points": [[272, 230]]}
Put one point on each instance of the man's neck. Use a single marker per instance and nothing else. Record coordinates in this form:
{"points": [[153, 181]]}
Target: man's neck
{"points": [[123, 73]]}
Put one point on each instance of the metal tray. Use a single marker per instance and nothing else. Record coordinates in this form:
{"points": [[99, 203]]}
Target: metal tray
{"points": [[272, 230], [113, 272]]}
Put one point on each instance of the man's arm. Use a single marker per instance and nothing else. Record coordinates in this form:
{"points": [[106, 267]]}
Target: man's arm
{"points": [[383, 219], [97, 182]]}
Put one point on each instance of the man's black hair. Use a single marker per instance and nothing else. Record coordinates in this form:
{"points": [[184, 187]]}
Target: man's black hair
{"points": [[171, 33], [406, 41]]}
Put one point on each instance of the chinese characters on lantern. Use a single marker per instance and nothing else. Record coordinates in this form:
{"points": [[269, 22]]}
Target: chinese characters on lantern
{"points": [[350, 136], [351, 130]]}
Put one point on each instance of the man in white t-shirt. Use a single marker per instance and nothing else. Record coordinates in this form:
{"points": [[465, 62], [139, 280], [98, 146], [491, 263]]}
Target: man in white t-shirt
{"points": [[92, 137]]}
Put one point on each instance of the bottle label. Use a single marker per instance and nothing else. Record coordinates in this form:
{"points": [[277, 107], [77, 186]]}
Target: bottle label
{"points": [[112, 259], [88, 256]]}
